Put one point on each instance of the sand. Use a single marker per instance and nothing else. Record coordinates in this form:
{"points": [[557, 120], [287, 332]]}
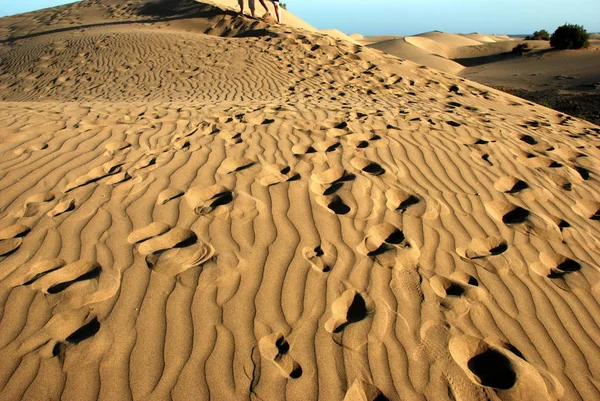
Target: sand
{"points": [[566, 80], [197, 205]]}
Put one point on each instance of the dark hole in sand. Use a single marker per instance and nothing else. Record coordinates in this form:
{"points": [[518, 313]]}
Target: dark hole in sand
{"points": [[584, 173], [528, 139], [382, 249], [362, 144], [222, 199], [395, 238], [515, 216], [569, 265], [473, 281], [455, 290], [411, 200], [57, 348], [339, 207], [319, 251], [333, 188], [296, 373], [341, 125], [282, 346], [493, 370], [555, 165], [84, 332], [374, 168], [357, 310], [39, 275], [333, 147], [63, 286], [499, 249], [519, 186]]}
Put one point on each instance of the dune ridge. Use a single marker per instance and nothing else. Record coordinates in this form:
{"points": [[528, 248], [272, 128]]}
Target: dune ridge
{"points": [[265, 212]]}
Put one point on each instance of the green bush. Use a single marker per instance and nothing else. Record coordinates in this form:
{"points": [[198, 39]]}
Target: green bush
{"points": [[521, 48], [539, 35], [570, 36]]}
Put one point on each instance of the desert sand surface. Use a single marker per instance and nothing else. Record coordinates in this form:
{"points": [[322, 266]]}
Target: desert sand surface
{"points": [[196, 205], [566, 80]]}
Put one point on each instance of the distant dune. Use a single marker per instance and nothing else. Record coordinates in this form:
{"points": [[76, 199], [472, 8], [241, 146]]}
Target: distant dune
{"points": [[198, 205]]}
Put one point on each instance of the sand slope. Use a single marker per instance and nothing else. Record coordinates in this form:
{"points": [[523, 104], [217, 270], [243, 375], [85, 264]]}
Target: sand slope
{"points": [[263, 212], [439, 49]]}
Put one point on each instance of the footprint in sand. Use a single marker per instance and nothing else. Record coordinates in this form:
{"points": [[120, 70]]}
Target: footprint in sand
{"points": [[482, 158], [151, 230], [95, 174], [459, 284], [329, 181], [334, 204], [359, 141], [118, 178], [8, 246], [11, 238], [34, 203], [364, 391], [328, 145], [231, 138], [554, 265], [168, 195], [63, 207], [507, 212], [502, 369], [31, 148], [63, 329], [509, 184], [483, 247], [233, 165], [402, 201], [170, 250], [275, 348], [537, 161], [381, 238], [302, 149], [205, 200], [173, 237], [179, 259], [322, 258], [349, 308], [277, 173], [86, 331], [523, 220], [113, 147], [14, 231], [367, 166], [329, 176], [180, 143], [144, 162], [54, 276]]}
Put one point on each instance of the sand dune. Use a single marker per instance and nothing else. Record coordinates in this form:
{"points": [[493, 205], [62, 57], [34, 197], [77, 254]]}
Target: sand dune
{"points": [[438, 49], [198, 205]]}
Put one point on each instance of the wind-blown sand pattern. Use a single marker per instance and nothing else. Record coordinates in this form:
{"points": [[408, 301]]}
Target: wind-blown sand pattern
{"points": [[219, 208]]}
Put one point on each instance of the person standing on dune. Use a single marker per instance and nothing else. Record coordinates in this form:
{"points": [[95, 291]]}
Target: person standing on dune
{"points": [[251, 4], [277, 10]]}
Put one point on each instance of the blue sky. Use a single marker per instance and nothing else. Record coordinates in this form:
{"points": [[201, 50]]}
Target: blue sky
{"points": [[405, 17]]}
